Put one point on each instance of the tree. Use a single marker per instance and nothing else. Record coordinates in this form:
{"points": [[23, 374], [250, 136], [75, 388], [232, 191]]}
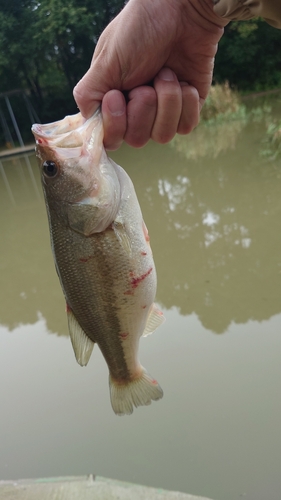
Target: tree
{"points": [[249, 56], [47, 46]]}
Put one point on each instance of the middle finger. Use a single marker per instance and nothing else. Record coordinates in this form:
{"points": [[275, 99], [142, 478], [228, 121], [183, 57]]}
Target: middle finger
{"points": [[169, 99]]}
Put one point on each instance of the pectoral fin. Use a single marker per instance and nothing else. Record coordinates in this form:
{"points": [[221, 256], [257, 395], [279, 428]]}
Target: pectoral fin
{"points": [[122, 236], [155, 319], [82, 345]]}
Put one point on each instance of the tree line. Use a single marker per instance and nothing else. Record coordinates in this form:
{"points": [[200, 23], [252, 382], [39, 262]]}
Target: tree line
{"points": [[46, 46]]}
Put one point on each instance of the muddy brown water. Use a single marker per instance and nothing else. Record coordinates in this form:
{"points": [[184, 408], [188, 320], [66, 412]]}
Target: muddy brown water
{"points": [[212, 203]]}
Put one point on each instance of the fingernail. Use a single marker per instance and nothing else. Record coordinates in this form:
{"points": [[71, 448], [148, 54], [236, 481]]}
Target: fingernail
{"points": [[166, 74], [116, 106]]}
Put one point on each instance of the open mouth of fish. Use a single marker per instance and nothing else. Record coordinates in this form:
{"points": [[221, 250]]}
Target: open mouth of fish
{"points": [[71, 137]]}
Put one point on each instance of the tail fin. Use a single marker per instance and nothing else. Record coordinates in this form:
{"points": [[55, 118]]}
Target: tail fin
{"points": [[138, 392]]}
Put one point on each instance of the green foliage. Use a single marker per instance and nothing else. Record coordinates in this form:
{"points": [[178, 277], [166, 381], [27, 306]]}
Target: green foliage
{"points": [[223, 118], [47, 46], [272, 143], [222, 103], [249, 56]]}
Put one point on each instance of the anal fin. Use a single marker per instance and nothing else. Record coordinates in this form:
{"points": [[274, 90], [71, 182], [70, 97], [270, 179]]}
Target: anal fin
{"points": [[155, 319], [82, 345]]}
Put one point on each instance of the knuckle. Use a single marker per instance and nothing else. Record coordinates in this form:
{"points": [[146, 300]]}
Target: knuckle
{"points": [[143, 96], [162, 137], [112, 146], [137, 137], [136, 142], [185, 129], [171, 98]]}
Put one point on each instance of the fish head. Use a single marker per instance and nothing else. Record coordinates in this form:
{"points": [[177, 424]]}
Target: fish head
{"points": [[69, 153], [75, 170]]}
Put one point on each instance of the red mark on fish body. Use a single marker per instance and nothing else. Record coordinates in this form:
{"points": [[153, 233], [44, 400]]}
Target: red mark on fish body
{"points": [[143, 307], [67, 308], [124, 336], [143, 253], [154, 382], [85, 259], [136, 281], [129, 292]]}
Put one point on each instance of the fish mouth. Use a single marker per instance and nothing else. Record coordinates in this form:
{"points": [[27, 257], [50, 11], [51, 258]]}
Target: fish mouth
{"points": [[64, 126], [71, 133]]}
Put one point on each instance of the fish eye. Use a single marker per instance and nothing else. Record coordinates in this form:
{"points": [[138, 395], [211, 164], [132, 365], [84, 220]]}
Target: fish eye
{"points": [[50, 168]]}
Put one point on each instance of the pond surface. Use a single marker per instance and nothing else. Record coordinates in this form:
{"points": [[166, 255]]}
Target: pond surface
{"points": [[212, 203]]}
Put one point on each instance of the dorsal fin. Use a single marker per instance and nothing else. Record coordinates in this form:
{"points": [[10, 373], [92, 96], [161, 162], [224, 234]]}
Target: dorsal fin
{"points": [[82, 345]]}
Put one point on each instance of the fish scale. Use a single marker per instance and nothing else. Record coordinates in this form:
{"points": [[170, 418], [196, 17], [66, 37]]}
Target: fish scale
{"points": [[90, 306]]}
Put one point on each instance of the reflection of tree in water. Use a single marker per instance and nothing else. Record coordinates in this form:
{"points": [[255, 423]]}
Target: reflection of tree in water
{"points": [[28, 285], [214, 226], [210, 139], [216, 238]]}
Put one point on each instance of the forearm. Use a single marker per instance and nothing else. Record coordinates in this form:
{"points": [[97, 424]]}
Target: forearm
{"points": [[237, 10]]}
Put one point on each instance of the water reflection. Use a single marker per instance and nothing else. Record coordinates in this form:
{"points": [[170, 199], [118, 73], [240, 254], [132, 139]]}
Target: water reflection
{"points": [[212, 139], [28, 281], [224, 244], [214, 224], [213, 220]]}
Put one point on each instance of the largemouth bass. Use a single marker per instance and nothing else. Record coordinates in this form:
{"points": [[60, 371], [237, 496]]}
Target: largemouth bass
{"points": [[102, 254]]}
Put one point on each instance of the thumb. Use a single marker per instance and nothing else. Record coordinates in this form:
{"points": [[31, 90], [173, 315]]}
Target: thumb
{"points": [[89, 91]]}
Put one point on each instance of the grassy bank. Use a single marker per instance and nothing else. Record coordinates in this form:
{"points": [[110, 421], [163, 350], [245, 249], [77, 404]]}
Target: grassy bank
{"points": [[224, 116]]}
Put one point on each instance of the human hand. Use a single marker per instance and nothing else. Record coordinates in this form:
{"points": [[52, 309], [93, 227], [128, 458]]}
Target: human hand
{"points": [[171, 43]]}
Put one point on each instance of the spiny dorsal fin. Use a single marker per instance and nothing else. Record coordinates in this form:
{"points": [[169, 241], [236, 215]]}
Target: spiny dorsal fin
{"points": [[82, 345], [155, 319]]}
